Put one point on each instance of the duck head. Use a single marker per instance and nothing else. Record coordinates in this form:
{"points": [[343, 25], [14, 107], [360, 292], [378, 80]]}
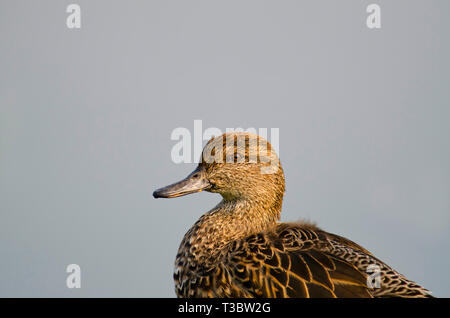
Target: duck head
{"points": [[239, 166]]}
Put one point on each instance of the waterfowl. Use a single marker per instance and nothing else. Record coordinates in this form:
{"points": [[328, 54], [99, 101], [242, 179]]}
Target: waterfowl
{"points": [[240, 249]]}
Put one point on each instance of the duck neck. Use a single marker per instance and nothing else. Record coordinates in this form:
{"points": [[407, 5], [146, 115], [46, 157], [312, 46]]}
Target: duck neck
{"points": [[230, 220], [240, 218]]}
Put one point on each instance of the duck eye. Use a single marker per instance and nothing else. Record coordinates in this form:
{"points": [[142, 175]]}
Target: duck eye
{"points": [[238, 158]]}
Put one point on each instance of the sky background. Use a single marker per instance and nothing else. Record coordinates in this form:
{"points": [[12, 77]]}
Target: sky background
{"points": [[86, 117]]}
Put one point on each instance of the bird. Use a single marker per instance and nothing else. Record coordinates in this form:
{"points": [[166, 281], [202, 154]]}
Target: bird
{"points": [[240, 248]]}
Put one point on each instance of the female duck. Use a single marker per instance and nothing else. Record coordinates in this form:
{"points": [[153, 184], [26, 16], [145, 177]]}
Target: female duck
{"points": [[239, 249]]}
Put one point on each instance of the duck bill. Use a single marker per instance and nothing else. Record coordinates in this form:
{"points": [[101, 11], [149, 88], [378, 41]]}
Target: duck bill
{"points": [[195, 182]]}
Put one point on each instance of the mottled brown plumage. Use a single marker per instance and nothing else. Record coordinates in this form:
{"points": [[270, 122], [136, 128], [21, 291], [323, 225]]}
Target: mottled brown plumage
{"points": [[239, 249]]}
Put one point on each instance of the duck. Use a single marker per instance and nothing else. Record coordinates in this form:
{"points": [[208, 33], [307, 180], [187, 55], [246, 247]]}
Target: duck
{"points": [[240, 248]]}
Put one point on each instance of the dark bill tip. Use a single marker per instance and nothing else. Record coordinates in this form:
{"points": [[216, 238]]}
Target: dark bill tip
{"points": [[158, 194]]}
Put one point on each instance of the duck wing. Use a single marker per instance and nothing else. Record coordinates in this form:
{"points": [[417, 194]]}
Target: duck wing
{"points": [[301, 260], [276, 264]]}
